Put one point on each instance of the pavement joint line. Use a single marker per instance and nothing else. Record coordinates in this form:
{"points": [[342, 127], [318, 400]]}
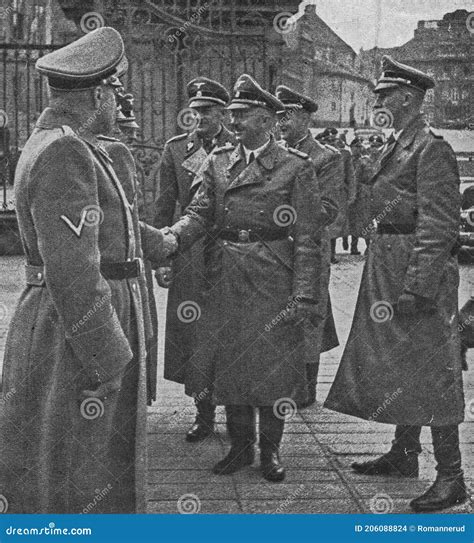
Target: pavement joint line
{"points": [[355, 495]]}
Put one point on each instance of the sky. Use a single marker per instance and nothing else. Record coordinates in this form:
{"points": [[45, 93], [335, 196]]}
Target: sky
{"points": [[382, 23]]}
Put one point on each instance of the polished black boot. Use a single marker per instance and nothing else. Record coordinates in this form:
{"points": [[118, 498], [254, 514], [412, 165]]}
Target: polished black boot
{"points": [[449, 488], [345, 243], [271, 432], [204, 424], [354, 249], [241, 428], [401, 460], [312, 381]]}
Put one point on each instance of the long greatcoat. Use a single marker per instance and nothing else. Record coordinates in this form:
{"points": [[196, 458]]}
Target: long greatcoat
{"points": [[329, 168], [71, 329], [345, 192], [254, 358], [182, 158], [407, 369]]}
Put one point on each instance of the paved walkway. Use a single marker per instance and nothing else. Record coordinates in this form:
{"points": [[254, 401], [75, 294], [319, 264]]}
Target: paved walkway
{"points": [[317, 448]]}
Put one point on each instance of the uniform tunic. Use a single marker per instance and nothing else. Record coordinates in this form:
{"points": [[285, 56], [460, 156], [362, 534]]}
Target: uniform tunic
{"points": [[73, 328], [254, 358], [329, 167], [407, 369], [182, 158]]}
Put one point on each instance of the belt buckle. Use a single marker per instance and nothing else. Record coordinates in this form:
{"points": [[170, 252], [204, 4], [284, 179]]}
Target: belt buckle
{"points": [[244, 235]]}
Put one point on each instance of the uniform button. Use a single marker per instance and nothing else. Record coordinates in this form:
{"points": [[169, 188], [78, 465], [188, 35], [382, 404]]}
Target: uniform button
{"points": [[261, 212], [39, 276], [225, 243], [134, 286], [226, 209]]}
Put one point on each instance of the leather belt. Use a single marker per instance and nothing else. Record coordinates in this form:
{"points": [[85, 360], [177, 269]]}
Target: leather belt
{"points": [[250, 236], [110, 270], [397, 229]]}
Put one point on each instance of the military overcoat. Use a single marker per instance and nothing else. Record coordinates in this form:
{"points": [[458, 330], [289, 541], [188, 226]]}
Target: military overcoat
{"points": [[71, 329], [345, 192], [329, 167], [182, 158], [407, 369], [254, 358]]}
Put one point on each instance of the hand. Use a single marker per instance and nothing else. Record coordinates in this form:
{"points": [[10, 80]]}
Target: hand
{"points": [[164, 276], [301, 312], [170, 241], [104, 389]]}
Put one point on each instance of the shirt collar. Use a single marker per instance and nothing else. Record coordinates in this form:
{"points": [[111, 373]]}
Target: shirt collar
{"points": [[255, 152]]}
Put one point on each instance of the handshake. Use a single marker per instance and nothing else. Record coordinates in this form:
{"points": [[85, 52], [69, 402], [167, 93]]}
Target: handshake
{"points": [[164, 274]]}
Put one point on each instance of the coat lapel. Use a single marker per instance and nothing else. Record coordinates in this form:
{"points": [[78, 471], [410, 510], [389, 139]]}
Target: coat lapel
{"points": [[405, 140], [243, 175]]}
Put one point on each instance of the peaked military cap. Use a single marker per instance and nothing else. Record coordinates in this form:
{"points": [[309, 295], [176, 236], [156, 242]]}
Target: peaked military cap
{"points": [[247, 93], [294, 100], [86, 62], [395, 74], [206, 92]]}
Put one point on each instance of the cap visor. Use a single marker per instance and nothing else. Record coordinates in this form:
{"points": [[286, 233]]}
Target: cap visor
{"points": [[203, 103], [382, 86]]}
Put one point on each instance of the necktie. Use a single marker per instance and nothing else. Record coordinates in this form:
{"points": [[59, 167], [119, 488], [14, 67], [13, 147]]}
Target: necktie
{"points": [[389, 146], [251, 157]]}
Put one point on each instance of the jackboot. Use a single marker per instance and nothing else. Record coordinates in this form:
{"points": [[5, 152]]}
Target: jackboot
{"points": [[241, 428], [312, 381], [271, 432], [449, 487], [401, 460], [204, 424]]}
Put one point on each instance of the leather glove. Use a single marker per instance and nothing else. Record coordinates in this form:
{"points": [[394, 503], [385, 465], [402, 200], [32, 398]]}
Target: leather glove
{"points": [[411, 304], [170, 241], [300, 312], [104, 389], [164, 276]]}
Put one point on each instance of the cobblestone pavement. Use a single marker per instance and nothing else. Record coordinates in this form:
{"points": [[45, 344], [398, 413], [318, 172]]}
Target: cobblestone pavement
{"points": [[317, 448]]}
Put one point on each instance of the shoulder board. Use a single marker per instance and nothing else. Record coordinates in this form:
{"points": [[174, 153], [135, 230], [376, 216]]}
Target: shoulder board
{"points": [[179, 137], [108, 138], [298, 153], [435, 134], [226, 147]]}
